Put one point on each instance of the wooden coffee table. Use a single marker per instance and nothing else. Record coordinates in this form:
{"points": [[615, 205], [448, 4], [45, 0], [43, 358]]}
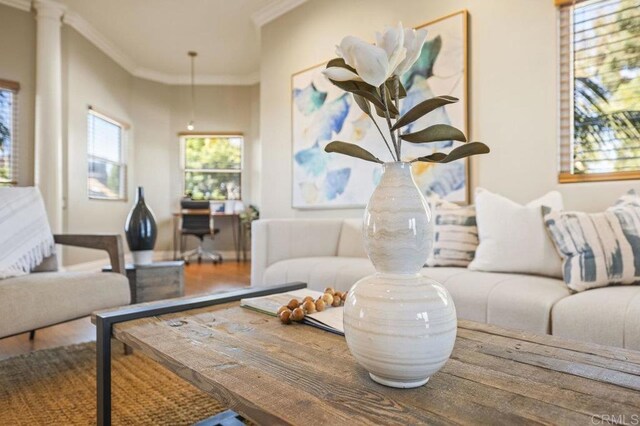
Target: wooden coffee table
{"points": [[297, 374]]}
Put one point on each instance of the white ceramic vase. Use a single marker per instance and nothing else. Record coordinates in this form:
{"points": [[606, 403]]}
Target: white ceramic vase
{"points": [[399, 324]]}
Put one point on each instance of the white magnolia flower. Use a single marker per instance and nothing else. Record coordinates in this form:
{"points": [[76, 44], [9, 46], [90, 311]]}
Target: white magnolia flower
{"points": [[369, 61], [413, 42], [394, 53], [340, 74], [393, 43]]}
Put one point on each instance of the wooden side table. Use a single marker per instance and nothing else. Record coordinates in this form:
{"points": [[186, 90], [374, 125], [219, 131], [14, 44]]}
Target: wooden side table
{"points": [[155, 281]]}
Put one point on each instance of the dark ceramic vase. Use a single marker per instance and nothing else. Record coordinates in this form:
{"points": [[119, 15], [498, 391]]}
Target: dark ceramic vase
{"points": [[141, 230]]}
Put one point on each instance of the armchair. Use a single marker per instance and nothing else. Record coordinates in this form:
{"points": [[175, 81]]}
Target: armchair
{"points": [[47, 297]]}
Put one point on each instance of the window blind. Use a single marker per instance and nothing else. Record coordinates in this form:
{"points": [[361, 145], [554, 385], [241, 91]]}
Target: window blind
{"points": [[599, 104], [8, 133]]}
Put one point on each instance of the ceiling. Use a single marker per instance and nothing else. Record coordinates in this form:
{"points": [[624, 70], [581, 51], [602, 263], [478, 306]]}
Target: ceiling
{"points": [[151, 38]]}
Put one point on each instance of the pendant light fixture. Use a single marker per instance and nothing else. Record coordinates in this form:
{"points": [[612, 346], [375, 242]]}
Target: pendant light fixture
{"points": [[191, 124]]}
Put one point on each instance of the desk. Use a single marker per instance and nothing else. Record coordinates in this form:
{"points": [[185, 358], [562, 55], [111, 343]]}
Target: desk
{"points": [[235, 219]]}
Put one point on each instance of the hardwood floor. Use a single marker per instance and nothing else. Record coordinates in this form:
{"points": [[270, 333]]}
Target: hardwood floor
{"points": [[198, 279]]}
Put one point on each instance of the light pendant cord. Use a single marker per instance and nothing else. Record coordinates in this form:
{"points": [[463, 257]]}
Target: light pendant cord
{"points": [[193, 55]]}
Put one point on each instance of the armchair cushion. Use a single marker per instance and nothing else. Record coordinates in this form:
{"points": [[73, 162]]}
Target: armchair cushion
{"points": [[33, 301]]}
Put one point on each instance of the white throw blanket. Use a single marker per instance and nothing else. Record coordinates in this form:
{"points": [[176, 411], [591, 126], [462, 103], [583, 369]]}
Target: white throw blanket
{"points": [[25, 236]]}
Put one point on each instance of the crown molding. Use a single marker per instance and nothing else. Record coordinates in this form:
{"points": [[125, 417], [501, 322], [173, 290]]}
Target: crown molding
{"points": [[24, 5], [200, 79], [89, 32], [95, 37], [274, 10]]}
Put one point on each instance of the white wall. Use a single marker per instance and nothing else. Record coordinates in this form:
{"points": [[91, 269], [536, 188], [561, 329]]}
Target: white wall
{"points": [[91, 78], [512, 92], [17, 63]]}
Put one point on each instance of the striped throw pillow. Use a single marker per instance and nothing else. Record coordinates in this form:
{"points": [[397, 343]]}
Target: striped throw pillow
{"points": [[598, 249], [455, 234]]}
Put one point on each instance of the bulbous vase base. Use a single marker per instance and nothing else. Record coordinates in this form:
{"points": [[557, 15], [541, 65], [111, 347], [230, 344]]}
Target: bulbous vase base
{"points": [[397, 384], [400, 327]]}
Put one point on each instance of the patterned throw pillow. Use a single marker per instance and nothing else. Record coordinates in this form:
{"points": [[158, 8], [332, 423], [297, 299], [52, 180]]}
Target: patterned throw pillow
{"points": [[455, 234], [598, 249]]}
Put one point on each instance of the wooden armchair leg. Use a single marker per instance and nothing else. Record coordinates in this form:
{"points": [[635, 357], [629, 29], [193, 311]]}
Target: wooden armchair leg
{"points": [[32, 334]]}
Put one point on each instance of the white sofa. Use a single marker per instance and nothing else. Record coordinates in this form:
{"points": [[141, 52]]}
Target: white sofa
{"points": [[329, 253]]}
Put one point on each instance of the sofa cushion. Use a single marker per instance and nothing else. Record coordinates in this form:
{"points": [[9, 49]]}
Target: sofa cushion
{"points": [[508, 300], [608, 316], [38, 300], [513, 237], [454, 234], [598, 249], [351, 243], [320, 272]]}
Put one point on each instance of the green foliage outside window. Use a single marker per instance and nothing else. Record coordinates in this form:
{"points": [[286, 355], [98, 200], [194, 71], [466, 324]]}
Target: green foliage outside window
{"points": [[212, 167], [607, 86]]}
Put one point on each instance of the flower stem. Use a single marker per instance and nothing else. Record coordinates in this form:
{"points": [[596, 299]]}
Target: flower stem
{"points": [[383, 138], [388, 117], [396, 86]]}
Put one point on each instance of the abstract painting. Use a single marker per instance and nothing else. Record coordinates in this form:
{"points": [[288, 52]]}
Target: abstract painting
{"points": [[322, 113]]}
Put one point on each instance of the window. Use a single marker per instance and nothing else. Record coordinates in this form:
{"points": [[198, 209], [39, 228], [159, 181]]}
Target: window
{"points": [[212, 166], [599, 90], [8, 132], [106, 156]]}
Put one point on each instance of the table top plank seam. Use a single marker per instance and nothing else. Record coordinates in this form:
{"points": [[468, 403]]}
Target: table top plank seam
{"points": [[620, 354], [558, 353], [537, 391], [467, 352]]}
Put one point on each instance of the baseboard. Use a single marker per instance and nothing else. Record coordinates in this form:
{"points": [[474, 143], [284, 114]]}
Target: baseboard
{"points": [[158, 256]]}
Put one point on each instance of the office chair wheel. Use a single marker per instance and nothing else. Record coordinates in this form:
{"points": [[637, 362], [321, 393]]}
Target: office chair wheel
{"points": [[199, 260]]}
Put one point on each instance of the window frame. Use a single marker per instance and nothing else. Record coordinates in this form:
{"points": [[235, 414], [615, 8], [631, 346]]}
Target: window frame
{"points": [[566, 141], [124, 127], [14, 88], [183, 160]]}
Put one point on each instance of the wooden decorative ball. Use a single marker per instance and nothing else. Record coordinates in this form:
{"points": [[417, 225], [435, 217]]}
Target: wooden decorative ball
{"points": [[309, 307], [297, 314], [285, 317]]}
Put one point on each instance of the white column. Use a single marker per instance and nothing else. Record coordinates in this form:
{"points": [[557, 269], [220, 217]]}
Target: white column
{"points": [[48, 119]]}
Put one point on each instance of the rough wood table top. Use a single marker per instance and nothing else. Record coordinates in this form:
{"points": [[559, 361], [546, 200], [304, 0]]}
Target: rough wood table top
{"points": [[296, 374]]}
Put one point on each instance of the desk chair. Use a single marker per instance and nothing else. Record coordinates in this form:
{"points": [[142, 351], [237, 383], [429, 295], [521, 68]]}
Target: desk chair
{"points": [[199, 225]]}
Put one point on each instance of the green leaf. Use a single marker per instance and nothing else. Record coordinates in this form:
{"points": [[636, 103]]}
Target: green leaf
{"points": [[339, 62], [351, 150], [362, 103], [393, 111], [467, 150], [360, 88], [422, 109], [435, 133], [392, 89]]}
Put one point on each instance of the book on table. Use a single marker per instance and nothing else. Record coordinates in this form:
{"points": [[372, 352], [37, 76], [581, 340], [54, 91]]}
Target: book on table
{"points": [[329, 320]]}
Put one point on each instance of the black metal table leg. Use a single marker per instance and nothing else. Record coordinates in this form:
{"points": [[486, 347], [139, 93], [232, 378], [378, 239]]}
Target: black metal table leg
{"points": [[103, 370]]}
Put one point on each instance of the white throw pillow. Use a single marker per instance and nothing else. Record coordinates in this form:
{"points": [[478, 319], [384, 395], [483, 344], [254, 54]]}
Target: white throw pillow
{"points": [[513, 237]]}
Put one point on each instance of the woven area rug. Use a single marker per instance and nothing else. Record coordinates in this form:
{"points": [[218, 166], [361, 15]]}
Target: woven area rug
{"points": [[58, 386]]}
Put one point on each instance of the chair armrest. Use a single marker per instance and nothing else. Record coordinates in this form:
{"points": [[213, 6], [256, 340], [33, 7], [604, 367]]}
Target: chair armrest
{"points": [[112, 244]]}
